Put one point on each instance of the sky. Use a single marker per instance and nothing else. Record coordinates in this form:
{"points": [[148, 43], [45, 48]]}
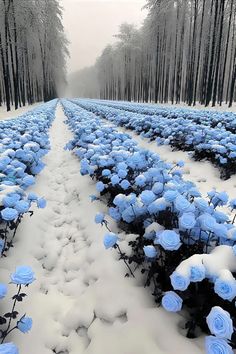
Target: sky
{"points": [[91, 24]]}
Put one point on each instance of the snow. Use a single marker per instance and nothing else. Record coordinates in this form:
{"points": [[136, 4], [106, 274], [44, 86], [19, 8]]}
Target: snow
{"points": [[15, 113], [81, 303]]}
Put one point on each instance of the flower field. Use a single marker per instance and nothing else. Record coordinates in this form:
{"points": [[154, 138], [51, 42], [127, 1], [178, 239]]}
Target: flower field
{"points": [[204, 135], [175, 243]]}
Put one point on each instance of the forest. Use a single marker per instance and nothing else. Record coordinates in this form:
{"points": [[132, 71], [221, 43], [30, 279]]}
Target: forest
{"points": [[33, 51], [184, 52]]}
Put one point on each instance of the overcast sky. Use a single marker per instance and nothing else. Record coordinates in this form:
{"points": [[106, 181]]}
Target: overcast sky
{"points": [[90, 25]]}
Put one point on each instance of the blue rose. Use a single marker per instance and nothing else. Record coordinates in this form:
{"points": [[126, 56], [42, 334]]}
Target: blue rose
{"points": [[122, 173], [170, 196], [25, 324], [147, 197], [169, 240], [125, 184], [207, 222], [181, 203], [28, 180], [187, 221], [150, 251], [110, 240], [179, 281], [9, 214], [23, 276], [158, 188], [99, 218], [180, 163], [8, 348], [201, 204], [41, 203], [100, 186], [197, 273], [220, 323], [3, 290], [22, 206], [140, 180], [220, 230], [172, 302], [32, 196], [115, 180], [226, 289], [114, 213], [106, 173], [215, 345], [11, 200], [232, 203]]}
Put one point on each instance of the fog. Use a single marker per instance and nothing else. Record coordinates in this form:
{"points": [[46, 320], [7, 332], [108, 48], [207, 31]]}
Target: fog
{"points": [[90, 26]]}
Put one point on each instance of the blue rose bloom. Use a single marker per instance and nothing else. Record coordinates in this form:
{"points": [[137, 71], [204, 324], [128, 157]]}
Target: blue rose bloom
{"points": [[180, 163], [150, 251], [22, 206], [207, 222], [181, 203], [32, 196], [172, 302], [28, 180], [179, 281], [147, 197], [9, 214], [106, 173], [25, 324], [125, 184], [215, 345], [140, 180], [220, 323], [197, 273], [8, 348], [114, 213], [158, 188], [99, 218], [11, 200], [41, 203], [110, 240], [115, 179], [23, 276], [201, 204], [211, 193], [220, 230], [100, 187], [187, 221], [232, 203], [170, 195], [226, 289], [122, 173], [169, 240], [3, 290]]}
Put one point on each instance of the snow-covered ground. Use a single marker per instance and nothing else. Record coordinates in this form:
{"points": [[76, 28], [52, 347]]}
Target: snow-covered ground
{"points": [[81, 303], [15, 113]]}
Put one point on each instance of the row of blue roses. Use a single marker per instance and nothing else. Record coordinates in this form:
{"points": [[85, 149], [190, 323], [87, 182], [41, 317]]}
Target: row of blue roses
{"points": [[24, 142], [172, 220], [216, 144]]}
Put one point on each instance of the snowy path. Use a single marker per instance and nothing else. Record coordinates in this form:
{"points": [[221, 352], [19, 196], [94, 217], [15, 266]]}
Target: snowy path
{"points": [[81, 303]]}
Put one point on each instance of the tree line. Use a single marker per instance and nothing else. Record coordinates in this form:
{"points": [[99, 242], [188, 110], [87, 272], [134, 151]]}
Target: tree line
{"points": [[33, 51], [184, 52]]}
